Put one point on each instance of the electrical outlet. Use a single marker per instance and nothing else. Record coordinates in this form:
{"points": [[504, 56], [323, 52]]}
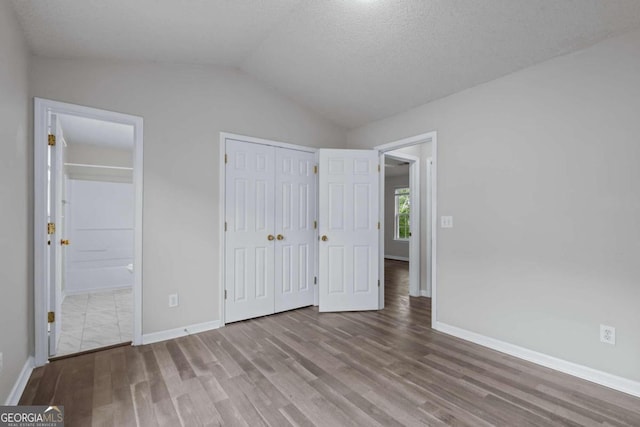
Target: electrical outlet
{"points": [[446, 222], [608, 334], [173, 300]]}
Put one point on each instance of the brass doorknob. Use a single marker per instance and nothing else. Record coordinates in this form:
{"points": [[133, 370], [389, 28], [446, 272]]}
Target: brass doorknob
{"points": [[270, 237], [280, 237], [324, 238], [64, 242]]}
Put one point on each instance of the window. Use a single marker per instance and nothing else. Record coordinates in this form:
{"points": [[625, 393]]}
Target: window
{"points": [[403, 210]]}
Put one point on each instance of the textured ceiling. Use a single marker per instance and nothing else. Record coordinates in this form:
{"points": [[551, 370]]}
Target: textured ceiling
{"points": [[352, 61]]}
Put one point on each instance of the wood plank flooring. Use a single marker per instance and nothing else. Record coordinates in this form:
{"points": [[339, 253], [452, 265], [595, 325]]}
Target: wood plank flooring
{"points": [[386, 368]]}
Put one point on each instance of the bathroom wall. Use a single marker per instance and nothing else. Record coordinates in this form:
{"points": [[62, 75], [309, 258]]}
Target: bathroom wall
{"points": [[99, 225]]}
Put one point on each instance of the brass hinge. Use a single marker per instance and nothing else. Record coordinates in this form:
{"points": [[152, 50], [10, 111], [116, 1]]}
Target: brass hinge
{"points": [[315, 280], [315, 224], [51, 228], [315, 169], [378, 282], [378, 225], [51, 317], [225, 226], [52, 140], [226, 159], [225, 294], [378, 168]]}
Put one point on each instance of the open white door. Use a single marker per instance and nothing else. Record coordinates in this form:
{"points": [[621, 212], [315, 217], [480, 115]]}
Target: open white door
{"points": [[349, 221], [250, 210], [56, 239], [295, 241]]}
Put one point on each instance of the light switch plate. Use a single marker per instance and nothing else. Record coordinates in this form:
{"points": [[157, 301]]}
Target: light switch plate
{"points": [[446, 222], [173, 300]]}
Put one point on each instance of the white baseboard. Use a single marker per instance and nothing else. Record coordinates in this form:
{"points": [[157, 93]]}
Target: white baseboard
{"points": [[599, 377], [66, 293], [424, 293], [21, 382], [179, 332], [396, 258]]}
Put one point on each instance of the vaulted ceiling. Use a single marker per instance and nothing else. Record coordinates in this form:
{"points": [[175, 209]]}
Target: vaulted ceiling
{"points": [[352, 61]]}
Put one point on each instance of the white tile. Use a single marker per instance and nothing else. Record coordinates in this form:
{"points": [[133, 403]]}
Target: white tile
{"points": [[72, 321], [97, 319], [68, 343]]}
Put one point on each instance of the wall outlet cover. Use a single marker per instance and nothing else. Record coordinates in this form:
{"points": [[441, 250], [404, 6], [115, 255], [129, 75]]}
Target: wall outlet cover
{"points": [[608, 334]]}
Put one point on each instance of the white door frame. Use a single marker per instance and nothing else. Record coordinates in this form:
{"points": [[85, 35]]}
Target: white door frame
{"points": [[42, 107], [414, 241], [402, 143], [222, 208]]}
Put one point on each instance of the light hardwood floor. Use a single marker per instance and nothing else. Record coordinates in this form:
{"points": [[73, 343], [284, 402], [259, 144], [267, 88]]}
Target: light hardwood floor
{"points": [[304, 368]]}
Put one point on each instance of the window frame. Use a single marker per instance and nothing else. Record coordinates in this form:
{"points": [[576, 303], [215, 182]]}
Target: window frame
{"points": [[397, 214]]}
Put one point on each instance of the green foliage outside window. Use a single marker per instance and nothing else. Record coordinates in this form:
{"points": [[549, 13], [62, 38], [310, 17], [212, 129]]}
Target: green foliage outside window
{"points": [[403, 211]]}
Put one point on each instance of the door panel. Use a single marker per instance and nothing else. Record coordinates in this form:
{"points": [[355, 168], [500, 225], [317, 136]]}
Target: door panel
{"points": [[295, 214], [348, 218], [250, 211]]}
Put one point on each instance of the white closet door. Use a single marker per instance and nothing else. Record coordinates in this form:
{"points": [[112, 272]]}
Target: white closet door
{"points": [[249, 257], [348, 221], [295, 244]]}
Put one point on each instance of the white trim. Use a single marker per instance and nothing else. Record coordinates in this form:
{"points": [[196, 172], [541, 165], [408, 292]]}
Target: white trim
{"points": [[397, 258], [226, 135], [415, 190], [407, 142], [222, 200], [434, 226], [66, 293], [84, 165], [599, 377], [41, 108], [21, 383], [424, 293], [180, 332]]}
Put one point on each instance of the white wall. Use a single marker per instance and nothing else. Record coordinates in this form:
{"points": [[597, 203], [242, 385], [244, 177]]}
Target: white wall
{"points": [[99, 223], [540, 172], [392, 247], [16, 304], [103, 156], [184, 109]]}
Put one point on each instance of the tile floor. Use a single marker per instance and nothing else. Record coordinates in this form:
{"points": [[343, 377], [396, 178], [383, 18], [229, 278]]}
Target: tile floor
{"points": [[95, 320]]}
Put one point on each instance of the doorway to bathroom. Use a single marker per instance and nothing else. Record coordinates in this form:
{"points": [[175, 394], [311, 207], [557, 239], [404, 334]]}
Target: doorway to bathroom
{"points": [[92, 206]]}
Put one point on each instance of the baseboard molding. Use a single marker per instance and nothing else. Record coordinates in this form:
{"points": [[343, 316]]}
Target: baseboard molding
{"points": [[599, 377], [179, 332], [424, 293], [396, 258], [21, 382], [95, 290]]}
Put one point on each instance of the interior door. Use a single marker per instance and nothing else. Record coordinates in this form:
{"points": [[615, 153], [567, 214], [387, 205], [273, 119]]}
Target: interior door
{"points": [[56, 168], [348, 220], [250, 223], [294, 225]]}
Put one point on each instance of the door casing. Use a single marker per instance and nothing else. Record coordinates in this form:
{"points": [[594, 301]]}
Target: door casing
{"points": [[402, 143], [416, 233], [222, 207], [43, 107]]}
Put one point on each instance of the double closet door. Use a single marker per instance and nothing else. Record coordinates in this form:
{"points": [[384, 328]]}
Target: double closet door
{"points": [[270, 240]]}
